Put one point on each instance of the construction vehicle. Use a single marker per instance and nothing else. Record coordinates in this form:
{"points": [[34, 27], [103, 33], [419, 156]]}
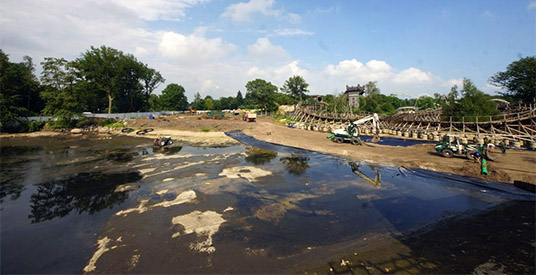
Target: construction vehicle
{"points": [[162, 141], [352, 132], [452, 145], [250, 116]]}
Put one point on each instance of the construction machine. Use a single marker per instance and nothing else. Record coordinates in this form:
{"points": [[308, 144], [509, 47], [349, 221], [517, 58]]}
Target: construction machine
{"points": [[250, 116], [352, 131]]}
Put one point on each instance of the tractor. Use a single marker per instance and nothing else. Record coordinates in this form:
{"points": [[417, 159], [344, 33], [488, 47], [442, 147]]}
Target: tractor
{"points": [[451, 145]]}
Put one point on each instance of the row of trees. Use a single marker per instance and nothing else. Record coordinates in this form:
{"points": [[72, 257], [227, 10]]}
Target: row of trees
{"points": [[107, 80], [100, 80]]}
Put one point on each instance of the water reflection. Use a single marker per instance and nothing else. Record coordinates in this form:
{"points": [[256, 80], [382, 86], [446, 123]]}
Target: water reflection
{"points": [[172, 150], [259, 156], [85, 192], [10, 189], [375, 182], [295, 165], [119, 155], [8, 151]]}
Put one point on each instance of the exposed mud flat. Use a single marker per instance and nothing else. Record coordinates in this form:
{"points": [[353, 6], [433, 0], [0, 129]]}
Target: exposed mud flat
{"points": [[277, 209]]}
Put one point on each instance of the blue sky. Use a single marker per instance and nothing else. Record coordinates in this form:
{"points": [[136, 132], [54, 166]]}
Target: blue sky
{"points": [[214, 47]]}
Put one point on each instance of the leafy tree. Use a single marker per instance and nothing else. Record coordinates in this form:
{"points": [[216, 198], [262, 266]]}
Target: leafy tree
{"points": [[102, 67], [154, 104], [371, 89], [173, 98], [228, 103], [425, 102], [295, 87], [337, 103], [151, 79], [239, 100], [131, 95], [217, 104], [198, 103], [468, 102], [62, 90], [261, 94], [19, 93], [208, 103], [284, 99], [519, 80]]}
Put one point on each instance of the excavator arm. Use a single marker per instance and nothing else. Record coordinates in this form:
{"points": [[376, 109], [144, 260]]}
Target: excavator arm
{"points": [[374, 118]]}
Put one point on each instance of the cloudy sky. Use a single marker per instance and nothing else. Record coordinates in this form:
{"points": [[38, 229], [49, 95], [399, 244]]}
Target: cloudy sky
{"points": [[215, 47]]}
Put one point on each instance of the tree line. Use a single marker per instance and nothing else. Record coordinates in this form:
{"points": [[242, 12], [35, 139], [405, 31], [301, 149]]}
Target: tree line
{"points": [[107, 80]]}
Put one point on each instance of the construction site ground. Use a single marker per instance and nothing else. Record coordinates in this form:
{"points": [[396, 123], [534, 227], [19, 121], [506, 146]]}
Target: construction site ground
{"points": [[203, 130], [514, 165]]}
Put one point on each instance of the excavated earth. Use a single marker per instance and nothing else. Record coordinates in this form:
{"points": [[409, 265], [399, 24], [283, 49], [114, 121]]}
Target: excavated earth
{"points": [[514, 165]]}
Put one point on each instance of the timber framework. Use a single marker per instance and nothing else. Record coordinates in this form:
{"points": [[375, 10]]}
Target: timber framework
{"points": [[517, 126]]}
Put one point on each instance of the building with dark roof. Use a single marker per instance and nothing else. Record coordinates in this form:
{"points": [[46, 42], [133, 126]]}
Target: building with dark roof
{"points": [[352, 94]]}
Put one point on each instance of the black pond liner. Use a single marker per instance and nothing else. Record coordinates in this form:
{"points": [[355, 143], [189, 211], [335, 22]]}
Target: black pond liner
{"points": [[501, 189], [389, 141]]}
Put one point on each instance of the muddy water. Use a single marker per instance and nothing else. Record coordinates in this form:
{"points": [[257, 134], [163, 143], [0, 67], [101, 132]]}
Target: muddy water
{"points": [[116, 205]]}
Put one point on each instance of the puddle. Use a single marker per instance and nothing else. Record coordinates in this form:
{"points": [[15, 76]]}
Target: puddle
{"points": [[277, 209]]}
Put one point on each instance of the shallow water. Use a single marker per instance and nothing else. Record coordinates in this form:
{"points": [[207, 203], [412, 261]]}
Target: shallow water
{"points": [[197, 210]]}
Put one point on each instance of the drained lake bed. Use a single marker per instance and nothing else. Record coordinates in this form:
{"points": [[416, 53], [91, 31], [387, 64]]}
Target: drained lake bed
{"points": [[118, 205]]}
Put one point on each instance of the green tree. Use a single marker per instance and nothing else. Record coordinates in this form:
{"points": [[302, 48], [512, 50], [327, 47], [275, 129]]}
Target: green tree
{"points": [[151, 79], [295, 87], [130, 94], [102, 67], [208, 103], [19, 93], [519, 80], [239, 100], [371, 89], [284, 99], [173, 98], [261, 94], [62, 90], [198, 103], [425, 102], [468, 102], [154, 104], [217, 104]]}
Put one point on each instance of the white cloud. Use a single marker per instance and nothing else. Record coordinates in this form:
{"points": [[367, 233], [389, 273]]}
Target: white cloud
{"points": [[291, 32], [159, 9], [193, 48], [532, 5], [245, 10], [451, 82], [352, 72], [264, 49], [277, 75], [356, 71], [209, 65], [413, 76]]}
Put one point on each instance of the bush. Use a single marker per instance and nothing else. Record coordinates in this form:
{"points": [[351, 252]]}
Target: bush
{"points": [[35, 126], [205, 129], [106, 122], [61, 123]]}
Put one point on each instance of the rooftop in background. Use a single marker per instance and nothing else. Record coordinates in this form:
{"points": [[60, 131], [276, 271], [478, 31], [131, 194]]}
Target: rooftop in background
{"points": [[360, 89]]}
